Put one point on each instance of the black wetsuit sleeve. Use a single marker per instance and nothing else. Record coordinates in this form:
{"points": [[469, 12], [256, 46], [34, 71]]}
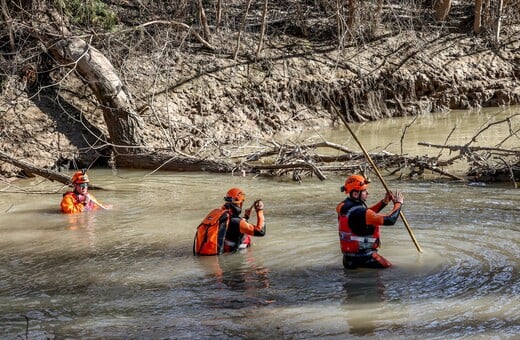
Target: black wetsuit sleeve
{"points": [[260, 232], [391, 218]]}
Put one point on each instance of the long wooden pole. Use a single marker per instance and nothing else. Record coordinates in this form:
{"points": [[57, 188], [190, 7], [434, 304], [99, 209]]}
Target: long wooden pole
{"points": [[376, 170]]}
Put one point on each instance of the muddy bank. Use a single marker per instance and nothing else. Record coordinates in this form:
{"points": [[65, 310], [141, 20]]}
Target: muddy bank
{"points": [[205, 104]]}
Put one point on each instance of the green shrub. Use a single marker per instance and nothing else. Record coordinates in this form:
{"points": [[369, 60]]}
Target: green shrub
{"points": [[88, 13]]}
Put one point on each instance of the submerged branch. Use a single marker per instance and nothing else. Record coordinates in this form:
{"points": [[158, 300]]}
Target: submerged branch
{"points": [[298, 157], [486, 163], [465, 148]]}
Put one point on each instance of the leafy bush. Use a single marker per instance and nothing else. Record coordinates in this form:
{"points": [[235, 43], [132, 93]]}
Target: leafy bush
{"points": [[88, 13]]}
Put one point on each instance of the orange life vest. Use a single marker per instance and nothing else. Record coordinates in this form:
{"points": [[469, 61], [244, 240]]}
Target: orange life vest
{"points": [[351, 242]]}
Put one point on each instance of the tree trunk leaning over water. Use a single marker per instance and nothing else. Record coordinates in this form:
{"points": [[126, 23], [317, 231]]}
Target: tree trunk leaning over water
{"points": [[125, 126], [123, 123]]}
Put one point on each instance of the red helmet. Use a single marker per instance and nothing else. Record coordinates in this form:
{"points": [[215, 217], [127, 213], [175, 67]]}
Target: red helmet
{"points": [[235, 195], [79, 177], [355, 182]]}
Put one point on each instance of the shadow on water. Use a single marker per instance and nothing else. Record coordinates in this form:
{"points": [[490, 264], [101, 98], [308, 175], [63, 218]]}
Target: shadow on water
{"points": [[362, 289], [238, 280]]}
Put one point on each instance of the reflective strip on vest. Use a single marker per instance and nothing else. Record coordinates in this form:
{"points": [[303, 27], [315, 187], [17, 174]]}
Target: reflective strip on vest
{"points": [[363, 239], [364, 242]]}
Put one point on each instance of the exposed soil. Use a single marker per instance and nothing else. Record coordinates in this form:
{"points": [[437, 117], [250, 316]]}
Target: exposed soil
{"points": [[204, 104]]}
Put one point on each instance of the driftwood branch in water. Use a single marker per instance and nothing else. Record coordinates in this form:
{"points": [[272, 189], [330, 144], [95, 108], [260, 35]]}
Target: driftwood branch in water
{"points": [[465, 148], [486, 163], [482, 167], [172, 162], [30, 169], [301, 165], [298, 157]]}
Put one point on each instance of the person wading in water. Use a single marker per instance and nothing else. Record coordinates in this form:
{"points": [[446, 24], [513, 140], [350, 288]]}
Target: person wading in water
{"points": [[80, 199], [359, 225], [224, 230]]}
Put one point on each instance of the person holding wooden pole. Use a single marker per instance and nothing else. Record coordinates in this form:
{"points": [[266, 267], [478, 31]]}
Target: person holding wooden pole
{"points": [[359, 225], [376, 170]]}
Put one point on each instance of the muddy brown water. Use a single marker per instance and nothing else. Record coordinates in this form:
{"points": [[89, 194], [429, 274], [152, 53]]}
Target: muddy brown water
{"points": [[129, 272]]}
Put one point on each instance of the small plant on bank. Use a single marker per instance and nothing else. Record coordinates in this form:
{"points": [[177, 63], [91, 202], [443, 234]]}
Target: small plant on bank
{"points": [[88, 12]]}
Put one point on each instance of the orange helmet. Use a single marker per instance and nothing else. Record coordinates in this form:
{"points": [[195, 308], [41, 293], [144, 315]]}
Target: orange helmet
{"points": [[235, 195], [355, 182], [79, 177]]}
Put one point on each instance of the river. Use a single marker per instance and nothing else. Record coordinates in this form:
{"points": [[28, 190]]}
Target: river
{"points": [[129, 272]]}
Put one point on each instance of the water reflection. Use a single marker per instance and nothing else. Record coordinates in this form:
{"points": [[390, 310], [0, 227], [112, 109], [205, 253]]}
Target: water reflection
{"points": [[83, 228], [364, 296], [241, 273]]}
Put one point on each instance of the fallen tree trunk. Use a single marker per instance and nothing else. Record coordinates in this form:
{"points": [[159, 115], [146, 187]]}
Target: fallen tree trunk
{"points": [[172, 162], [31, 170]]}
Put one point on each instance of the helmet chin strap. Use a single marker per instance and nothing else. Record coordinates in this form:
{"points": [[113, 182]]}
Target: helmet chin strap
{"points": [[358, 198]]}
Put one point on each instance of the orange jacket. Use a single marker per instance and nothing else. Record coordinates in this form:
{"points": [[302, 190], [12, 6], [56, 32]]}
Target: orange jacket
{"points": [[72, 203], [251, 229]]}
